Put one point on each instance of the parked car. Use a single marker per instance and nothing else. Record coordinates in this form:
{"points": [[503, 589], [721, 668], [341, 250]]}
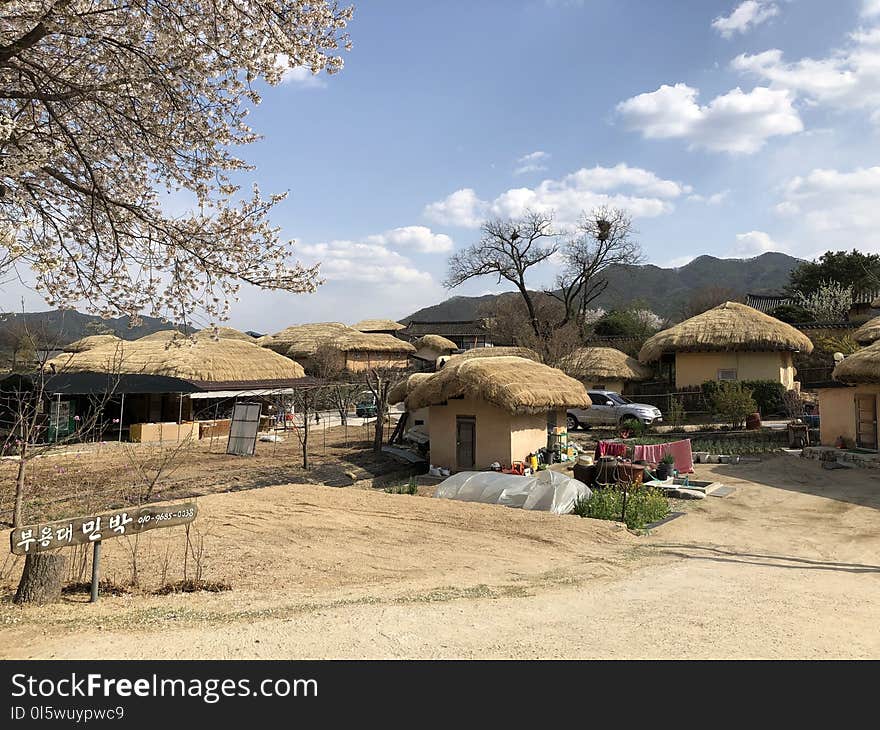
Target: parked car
{"points": [[612, 409], [366, 405]]}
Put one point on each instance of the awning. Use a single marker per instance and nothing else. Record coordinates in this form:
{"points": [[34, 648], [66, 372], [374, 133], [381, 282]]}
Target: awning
{"points": [[244, 393]]}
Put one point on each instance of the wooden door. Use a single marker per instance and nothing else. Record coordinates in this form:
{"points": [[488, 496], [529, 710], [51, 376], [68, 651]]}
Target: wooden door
{"points": [[465, 442], [866, 421]]}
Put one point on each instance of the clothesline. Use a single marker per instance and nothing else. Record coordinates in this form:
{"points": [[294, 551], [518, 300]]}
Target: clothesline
{"points": [[653, 453]]}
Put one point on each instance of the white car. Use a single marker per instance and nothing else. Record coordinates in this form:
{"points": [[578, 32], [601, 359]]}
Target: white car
{"points": [[611, 409]]}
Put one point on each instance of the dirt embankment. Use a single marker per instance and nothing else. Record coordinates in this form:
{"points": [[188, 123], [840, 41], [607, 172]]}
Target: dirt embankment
{"points": [[786, 566]]}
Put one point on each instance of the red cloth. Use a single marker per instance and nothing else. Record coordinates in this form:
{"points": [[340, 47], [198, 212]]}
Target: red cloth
{"points": [[610, 448], [680, 450]]}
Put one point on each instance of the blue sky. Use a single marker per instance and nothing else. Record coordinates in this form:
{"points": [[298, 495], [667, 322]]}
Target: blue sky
{"points": [[726, 127]]}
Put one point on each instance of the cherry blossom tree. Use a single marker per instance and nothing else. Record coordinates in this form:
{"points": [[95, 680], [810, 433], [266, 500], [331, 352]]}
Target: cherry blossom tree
{"points": [[107, 108]]}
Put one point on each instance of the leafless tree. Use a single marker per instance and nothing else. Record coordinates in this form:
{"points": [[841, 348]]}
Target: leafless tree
{"points": [[507, 250], [380, 381], [705, 298], [603, 238]]}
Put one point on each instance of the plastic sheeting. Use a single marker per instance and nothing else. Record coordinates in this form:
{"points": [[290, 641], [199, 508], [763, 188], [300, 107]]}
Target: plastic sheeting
{"points": [[547, 491]]}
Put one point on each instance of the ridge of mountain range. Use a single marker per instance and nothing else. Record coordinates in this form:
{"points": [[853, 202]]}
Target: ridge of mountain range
{"points": [[665, 291]]}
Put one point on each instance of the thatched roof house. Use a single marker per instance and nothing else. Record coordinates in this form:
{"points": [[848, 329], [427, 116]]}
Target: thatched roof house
{"points": [[228, 333], [87, 343], [869, 332], [729, 342], [514, 384], [361, 349], [200, 360], [860, 367], [492, 409], [401, 390], [480, 352], [378, 325], [850, 407], [431, 347], [604, 368]]}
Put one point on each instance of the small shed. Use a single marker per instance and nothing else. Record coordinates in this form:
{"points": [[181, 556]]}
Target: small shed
{"points": [[499, 409], [729, 342], [430, 347], [848, 407]]}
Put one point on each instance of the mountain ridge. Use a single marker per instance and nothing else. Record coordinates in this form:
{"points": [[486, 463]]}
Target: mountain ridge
{"points": [[664, 291]]}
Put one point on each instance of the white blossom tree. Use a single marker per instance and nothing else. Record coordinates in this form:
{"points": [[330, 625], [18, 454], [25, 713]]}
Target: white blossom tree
{"points": [[106, 107]]}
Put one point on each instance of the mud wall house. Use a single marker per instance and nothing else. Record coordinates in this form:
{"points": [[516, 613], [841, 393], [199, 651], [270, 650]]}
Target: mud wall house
{"points": [[729, 342], [498, 409], [416, 420], [147, 388], [359, 351], [849, 406], [605, 368], [429, 348]]}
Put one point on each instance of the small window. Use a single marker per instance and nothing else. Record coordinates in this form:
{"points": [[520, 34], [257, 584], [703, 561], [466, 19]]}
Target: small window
{"points": [[419, 422], [727, 374]]}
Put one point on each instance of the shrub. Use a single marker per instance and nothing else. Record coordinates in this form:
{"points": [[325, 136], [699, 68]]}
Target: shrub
{"points": [[768, 395], [644, 505], [733, 402], [675, 413], [411, 488]]}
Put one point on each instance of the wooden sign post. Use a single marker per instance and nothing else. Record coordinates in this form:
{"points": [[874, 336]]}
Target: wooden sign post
{"points": [[95, 529]]}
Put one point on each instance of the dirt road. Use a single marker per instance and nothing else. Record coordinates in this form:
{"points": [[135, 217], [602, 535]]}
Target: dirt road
{"points": [[787, 567]]}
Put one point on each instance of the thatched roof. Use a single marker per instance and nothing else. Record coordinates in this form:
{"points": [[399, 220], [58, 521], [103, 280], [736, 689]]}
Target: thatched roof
{"points": [[200, 360], [729, 326], [860, 367], [162, 336], [475, 352], [229, 333], [604, 363], [304, 340], [515, 384], [87, 343], [435, 342], [869, 332], [378, 325], [399, 392]]}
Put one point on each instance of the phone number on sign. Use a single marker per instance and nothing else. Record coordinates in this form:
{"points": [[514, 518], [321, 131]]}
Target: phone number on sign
{"points": [[164, 516]]}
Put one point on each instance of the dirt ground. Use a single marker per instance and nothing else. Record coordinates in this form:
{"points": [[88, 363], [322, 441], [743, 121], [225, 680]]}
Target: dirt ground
{"points": [[786, 566], [90, 477]]}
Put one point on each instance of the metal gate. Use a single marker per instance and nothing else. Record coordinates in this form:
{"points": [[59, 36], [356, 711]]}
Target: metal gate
{"points": [[243, 429]]}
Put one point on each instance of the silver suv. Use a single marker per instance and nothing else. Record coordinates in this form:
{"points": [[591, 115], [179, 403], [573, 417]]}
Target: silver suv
{"points": [[612, 409]]}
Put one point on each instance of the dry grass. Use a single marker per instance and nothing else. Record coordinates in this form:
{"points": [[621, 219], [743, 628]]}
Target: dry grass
{"points": [[378, 325], [860, 367], [604, 363], [729, 326], [303, 341], [87, 343], [202, 359], [869, 332], [514, 384]]}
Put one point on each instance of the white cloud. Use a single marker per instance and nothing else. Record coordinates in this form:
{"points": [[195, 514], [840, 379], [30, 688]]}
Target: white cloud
{"points": [[640, 191], [754, 243], [532, 162], [678, 262], [839, 208], [363, 261], [714, 199], [735, 122], [303, 78], [744, 17], [418, 238], [462, 208], [849, 78], [870, 8]]}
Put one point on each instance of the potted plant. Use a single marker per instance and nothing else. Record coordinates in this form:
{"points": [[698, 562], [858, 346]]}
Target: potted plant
{"points": [[665, 466]]}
